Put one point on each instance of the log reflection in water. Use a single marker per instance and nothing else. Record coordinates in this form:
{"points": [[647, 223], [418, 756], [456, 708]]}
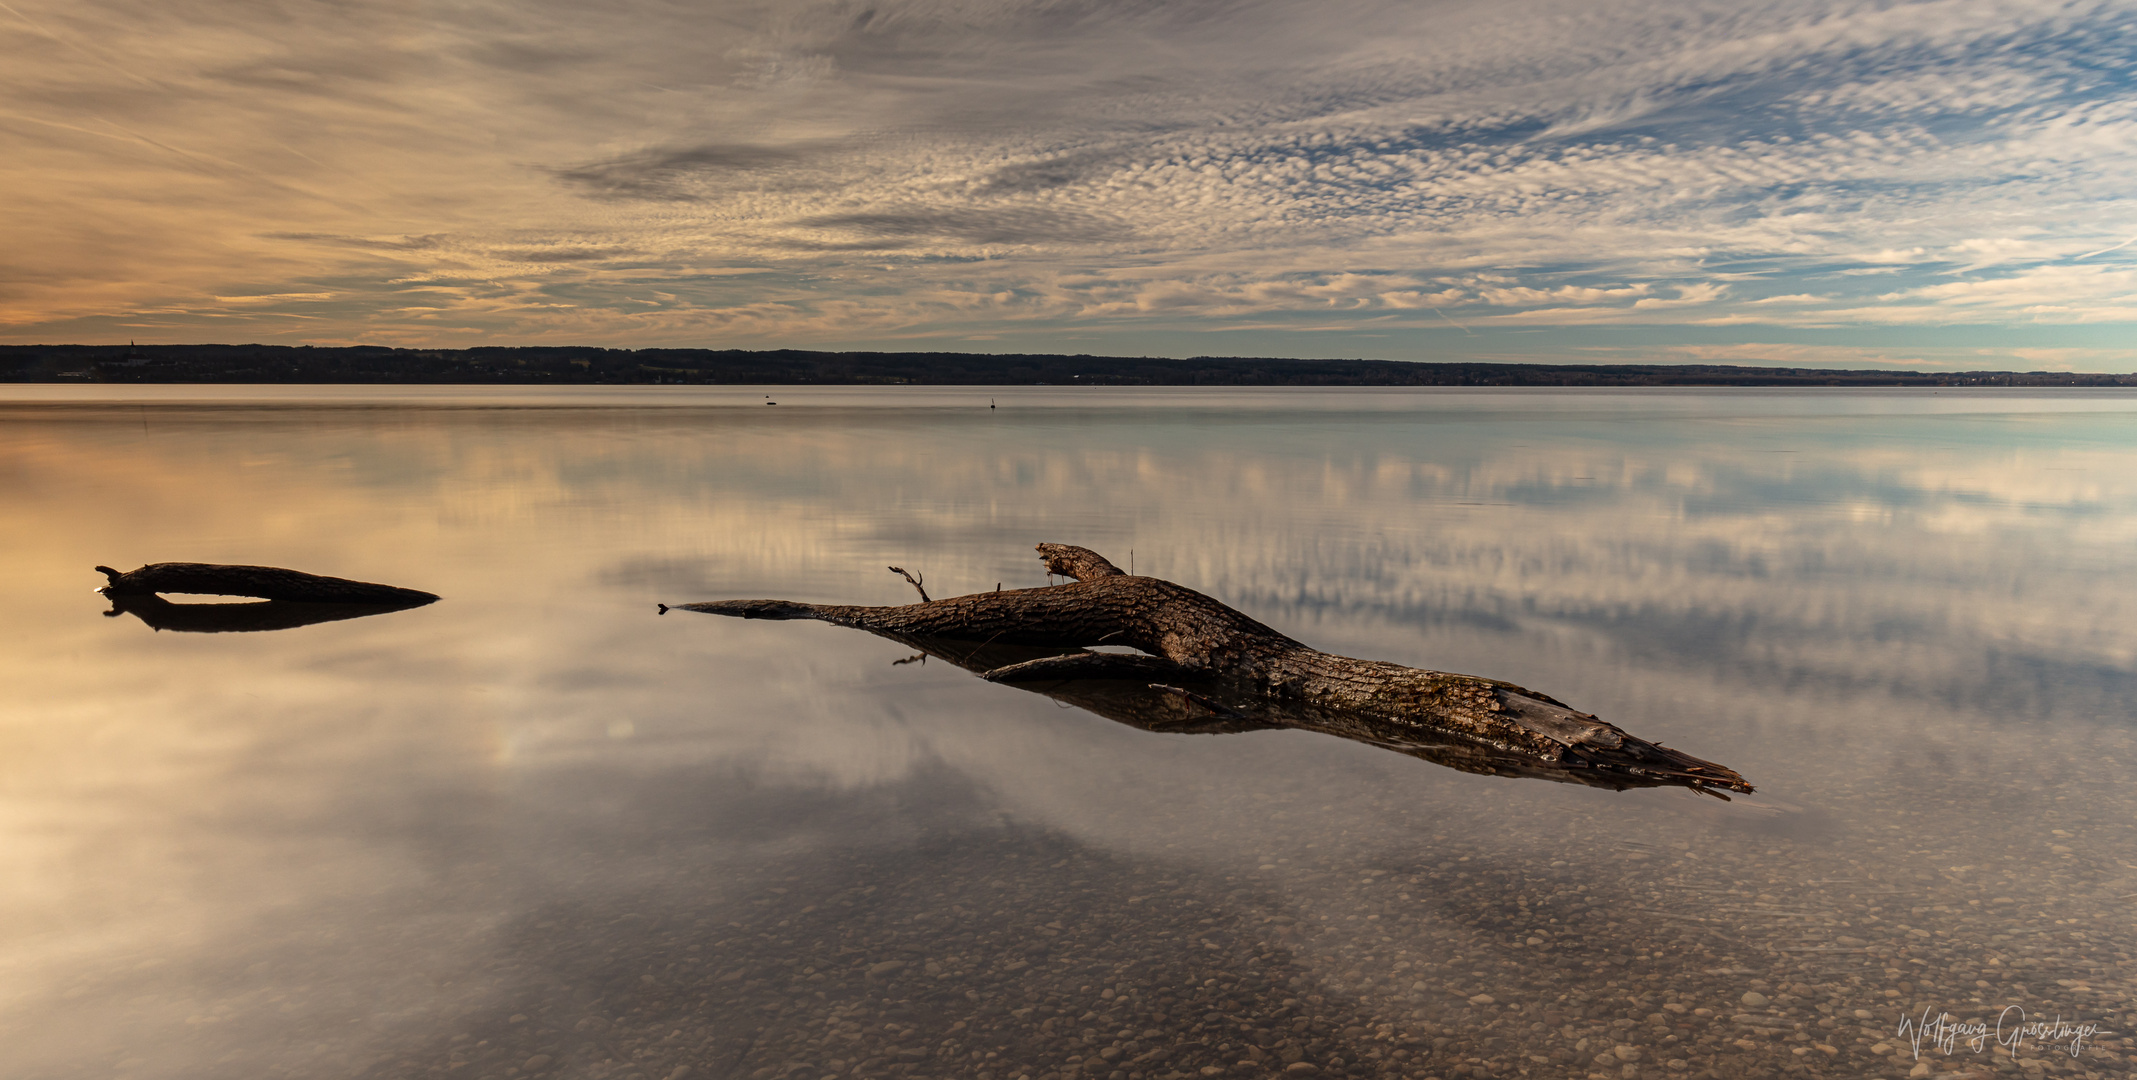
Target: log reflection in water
{"points": [[1211, 707], [161, 614]]}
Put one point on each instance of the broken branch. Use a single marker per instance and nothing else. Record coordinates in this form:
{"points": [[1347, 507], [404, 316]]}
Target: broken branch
{"points": [[915, 582]]}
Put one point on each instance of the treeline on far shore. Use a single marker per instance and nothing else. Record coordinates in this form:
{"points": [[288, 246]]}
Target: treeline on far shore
{"points": [[583, 365]]}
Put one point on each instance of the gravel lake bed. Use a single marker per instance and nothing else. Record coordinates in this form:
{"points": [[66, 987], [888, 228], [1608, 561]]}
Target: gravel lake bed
{"points": [[540, 831]]}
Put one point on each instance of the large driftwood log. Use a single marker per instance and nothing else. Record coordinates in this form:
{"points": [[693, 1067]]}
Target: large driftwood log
{"points": [[1240, 674], [264, 582]]}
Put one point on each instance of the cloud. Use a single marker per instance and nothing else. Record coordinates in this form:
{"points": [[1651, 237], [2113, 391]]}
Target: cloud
{"points": [[1046, 174], [968, 225], [2056, 292], [401, 243], [1059, 169], [680, 175]]}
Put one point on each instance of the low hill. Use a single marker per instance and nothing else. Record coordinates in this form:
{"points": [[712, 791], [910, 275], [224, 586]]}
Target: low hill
{"points": [[567, 365]]}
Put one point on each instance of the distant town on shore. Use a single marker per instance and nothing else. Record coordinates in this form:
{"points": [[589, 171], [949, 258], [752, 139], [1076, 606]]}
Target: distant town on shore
{"points": [[795, 367]]}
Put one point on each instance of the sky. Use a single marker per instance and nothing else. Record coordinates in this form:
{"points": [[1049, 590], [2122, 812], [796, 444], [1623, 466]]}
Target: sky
{"points": [[1941, 184]]}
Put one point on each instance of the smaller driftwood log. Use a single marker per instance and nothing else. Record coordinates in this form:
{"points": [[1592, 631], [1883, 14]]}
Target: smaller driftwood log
{"points": [[288, 598], [264, 582], [1205, 659]]}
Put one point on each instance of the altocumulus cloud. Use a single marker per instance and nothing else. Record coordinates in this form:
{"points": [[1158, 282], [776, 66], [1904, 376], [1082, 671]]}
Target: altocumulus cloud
{"points": [[1369, 177]]}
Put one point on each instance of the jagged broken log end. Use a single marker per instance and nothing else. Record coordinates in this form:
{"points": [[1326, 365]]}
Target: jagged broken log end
{"points": [[1638, 757], [1083, 564]]}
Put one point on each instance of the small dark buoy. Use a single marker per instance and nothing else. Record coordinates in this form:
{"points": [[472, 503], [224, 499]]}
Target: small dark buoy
{"points": [[990, 403]]}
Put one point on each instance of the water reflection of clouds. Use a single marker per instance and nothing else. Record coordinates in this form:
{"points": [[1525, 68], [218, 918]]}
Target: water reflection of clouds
{"points": [[1823, 619], [1571, 528]]}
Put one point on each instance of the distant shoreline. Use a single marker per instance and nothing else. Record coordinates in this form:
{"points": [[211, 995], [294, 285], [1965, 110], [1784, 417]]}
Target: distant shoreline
{"points": [[567, 365]]}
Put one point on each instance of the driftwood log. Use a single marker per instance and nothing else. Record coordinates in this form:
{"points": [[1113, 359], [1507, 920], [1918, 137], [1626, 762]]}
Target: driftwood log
{"points": [[289, 598], [263, 582], [1208, 667]]}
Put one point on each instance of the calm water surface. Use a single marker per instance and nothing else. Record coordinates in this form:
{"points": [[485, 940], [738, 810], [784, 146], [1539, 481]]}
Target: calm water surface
{"points": [[539, 830]]}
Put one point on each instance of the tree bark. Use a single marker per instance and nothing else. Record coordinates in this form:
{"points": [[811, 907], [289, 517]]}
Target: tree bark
{"points": [[1245, 673]]}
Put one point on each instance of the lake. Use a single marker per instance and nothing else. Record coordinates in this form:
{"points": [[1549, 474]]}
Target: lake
{"points": [[539, 829]]}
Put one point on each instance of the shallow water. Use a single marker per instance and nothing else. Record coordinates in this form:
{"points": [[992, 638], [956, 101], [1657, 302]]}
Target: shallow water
{"points": [[539, 830]]}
